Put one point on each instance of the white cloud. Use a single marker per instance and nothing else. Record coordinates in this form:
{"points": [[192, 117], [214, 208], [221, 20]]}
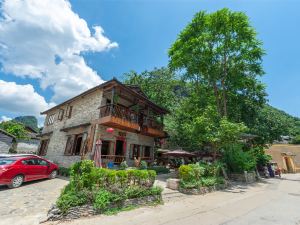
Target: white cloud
{"points": [[4, 119], [34, 33], [22, 99]]}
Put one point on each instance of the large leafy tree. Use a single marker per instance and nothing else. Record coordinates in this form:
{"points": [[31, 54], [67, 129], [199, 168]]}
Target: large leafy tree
{"points": [[221, 50], [159, 84], [14, 128]]}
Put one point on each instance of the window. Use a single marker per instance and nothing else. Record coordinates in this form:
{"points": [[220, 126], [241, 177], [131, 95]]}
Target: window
{"points": [[50, 119], [78, 144], [29, 162], [69, 111], [5, 161], [41, 162], [105, 148], [147, 151], [134, 151], [61, 114], [43, 147], [74, 145]]}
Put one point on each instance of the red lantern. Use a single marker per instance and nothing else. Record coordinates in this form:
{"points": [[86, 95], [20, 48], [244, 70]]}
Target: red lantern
{"points": [[110, 130]]}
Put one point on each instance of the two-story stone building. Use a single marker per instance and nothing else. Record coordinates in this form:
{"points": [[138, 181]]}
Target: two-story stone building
{"points": [[119, 115]]}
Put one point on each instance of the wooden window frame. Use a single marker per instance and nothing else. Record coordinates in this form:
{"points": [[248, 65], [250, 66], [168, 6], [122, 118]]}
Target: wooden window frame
{"points": [[50, 119], [61, 114], [42, 151], [138, 151], [70, 147], [69, 111]]}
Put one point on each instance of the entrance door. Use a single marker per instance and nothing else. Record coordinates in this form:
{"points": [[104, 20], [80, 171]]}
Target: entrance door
{"points": [[119, 151], [288, 163]]}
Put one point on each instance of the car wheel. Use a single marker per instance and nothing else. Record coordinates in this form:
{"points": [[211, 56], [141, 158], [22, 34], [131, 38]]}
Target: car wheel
{"points": [[53, 174], [17, 181]]}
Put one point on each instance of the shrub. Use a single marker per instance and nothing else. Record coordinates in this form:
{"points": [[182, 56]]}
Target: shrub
{"points": [[63, 171], [123, 165], [200, 174], [106, 198], [296, 140], [143, 165], [70, 198], [191, 172], [104, 187], [159, 169], [238, 160]]}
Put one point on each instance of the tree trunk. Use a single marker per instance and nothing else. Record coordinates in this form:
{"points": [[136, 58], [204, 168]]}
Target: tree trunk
{"points": [[216, 92], [224, 99]]}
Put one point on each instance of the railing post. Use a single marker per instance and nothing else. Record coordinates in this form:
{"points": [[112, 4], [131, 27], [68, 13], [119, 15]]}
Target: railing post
{"points": [[112, 100]]}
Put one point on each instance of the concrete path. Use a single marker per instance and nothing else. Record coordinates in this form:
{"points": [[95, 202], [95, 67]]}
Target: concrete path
{"points": [[271, 202]]}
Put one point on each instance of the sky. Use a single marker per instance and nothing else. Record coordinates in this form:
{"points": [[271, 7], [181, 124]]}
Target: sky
{"points": [[52, 50]]}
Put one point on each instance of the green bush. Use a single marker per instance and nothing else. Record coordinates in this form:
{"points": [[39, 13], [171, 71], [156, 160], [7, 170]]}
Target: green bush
{"points": [[159, 169], [238, 160], [296, 140], [211, 181], [105, 188], [123, 165], [63, 171], [200, 174], [143, 165], [105, 198], [71, 198]]}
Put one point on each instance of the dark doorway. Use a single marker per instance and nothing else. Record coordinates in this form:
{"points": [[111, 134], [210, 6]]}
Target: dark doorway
{"points": [[119, 147], [78, 142]]}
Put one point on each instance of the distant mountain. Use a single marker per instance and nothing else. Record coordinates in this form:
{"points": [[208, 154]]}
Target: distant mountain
{"points": [[30, 121]]}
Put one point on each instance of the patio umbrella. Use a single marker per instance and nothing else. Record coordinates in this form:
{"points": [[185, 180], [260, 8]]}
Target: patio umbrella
{"points": [[179, 153], [97, 154]]}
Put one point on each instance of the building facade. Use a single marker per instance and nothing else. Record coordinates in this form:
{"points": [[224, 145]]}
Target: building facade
{"points": [[119, 117], [287, 156], [7, 141]]}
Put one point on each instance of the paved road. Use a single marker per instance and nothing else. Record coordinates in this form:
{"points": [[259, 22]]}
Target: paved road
{"points": [[28, 204], [271, 202]]}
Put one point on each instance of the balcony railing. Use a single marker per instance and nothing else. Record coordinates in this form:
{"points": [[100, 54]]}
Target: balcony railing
{"points": [[113, 158], [124, 118], [119, 112]]}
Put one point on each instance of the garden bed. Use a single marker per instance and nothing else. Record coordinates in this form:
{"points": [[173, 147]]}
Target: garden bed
{"points": [[95, 190], [55, 214], [203, 190]]}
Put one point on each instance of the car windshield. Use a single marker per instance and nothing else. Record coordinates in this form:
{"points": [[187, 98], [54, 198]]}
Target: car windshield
{"points": [[6, 161]]}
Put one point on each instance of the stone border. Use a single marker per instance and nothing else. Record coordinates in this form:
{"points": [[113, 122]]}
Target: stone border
{"points": [[203, 190], [246, 177], [54, 214]]}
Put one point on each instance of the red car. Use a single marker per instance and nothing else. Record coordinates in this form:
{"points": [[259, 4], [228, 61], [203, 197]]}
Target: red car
{"points": [[14, 170]]}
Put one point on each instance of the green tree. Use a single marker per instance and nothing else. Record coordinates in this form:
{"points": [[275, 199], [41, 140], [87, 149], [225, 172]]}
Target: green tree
{"points": [[209, 128], [14, 128], [271, 123], [221, 50], [159, 84]]}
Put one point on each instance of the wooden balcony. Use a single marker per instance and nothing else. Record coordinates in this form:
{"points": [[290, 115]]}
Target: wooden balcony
{"points": [[119, 117], [153, 128], [125, 119]]}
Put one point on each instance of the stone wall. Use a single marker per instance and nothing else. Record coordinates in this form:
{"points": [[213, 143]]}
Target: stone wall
{"points": [[55, 214], [27, 146], [5, 143], [204, 190], [85, 110], [247, 177]]}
